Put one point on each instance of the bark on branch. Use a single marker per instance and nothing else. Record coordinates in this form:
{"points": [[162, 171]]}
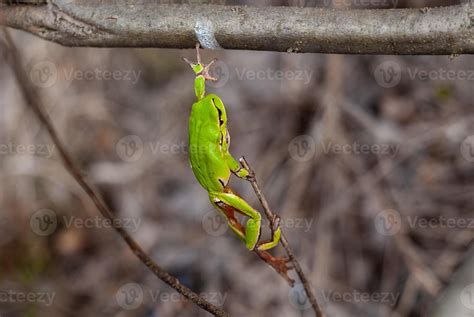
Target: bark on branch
{"points": [[445, 30]]}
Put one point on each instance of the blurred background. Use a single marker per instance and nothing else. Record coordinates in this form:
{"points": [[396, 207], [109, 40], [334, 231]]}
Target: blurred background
{"points": [[369, 160]]}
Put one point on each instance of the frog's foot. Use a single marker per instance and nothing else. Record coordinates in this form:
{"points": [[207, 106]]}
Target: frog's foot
{"points": [[205, 71], [199, 67], [198, 56], [250, 177], [250, 174], [280, 264], [276, 224]]}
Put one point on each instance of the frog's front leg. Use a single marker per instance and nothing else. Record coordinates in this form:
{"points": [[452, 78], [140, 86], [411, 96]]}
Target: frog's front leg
{"points": [[238, 169]]}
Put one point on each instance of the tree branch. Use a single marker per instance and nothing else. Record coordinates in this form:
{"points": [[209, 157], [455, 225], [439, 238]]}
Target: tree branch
{"points": [[284, 242], [445, 30], [33, 101]]}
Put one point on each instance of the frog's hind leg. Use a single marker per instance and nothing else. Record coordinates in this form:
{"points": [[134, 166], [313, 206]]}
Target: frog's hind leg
{"points": [[227, 201], [229, 213], [224, 202], [276, 231]]}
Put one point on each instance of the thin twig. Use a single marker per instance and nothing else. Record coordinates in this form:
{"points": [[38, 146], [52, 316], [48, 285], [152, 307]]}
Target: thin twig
{"points": [[105, 23], [271, 217], [33, 100]]}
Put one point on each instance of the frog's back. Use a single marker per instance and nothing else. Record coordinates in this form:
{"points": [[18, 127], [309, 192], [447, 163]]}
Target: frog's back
{"points": [[205, 153]]}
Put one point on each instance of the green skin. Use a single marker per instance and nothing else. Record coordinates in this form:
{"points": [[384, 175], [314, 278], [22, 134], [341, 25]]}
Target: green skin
{"points": [[212, 163]]}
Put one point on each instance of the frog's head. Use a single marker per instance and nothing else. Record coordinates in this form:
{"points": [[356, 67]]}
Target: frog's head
{"points": [[199, 68]]}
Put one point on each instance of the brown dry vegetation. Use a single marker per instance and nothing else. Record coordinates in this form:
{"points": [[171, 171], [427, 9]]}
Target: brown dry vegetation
{"points": [[379, 233]]}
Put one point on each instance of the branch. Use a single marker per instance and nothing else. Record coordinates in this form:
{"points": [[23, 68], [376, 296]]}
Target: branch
{"points": [[437, 31], [33, 100], [271, 217]]}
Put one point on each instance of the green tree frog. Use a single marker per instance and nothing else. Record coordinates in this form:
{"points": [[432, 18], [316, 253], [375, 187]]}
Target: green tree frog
{"points": [[212, 165]]}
